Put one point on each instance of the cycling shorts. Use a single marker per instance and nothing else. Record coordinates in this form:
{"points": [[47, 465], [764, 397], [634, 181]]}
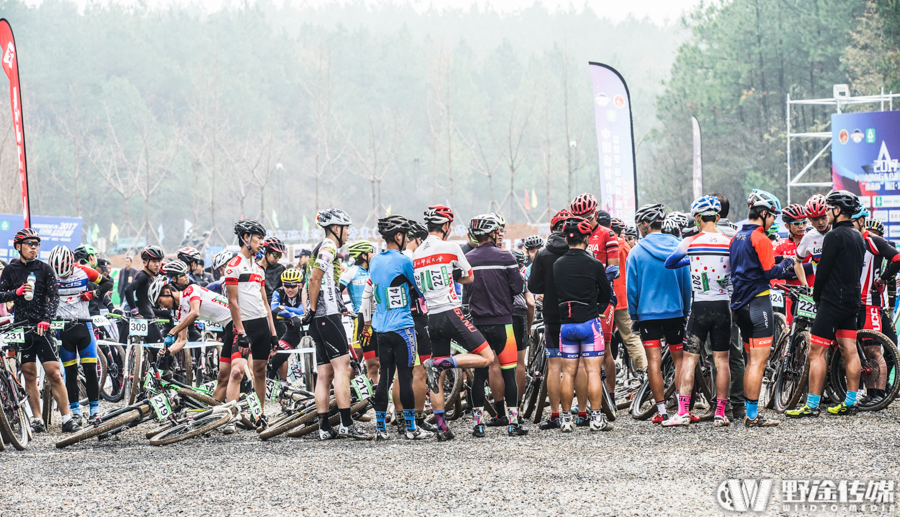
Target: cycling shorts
{"points": [[423, 340], [260, 338], [551, 339], [227, 343], [582, 339], [368, 344], [453, 325], [77, 340], [607, 321], [37, 348], [712, 319], [756, 322], [503, 342], [871, 317], [401, 344], [291, 336], [653, 332], [832, 322], [520, 329], [328, 334]]}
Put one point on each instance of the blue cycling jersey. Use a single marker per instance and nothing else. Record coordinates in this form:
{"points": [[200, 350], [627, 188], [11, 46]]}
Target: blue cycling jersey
{"points": [[354, 279], [392, 276]]}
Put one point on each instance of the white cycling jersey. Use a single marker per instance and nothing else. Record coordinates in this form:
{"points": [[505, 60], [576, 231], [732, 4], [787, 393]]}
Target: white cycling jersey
{"points": [[434, 262], [70, 289], [323, 257], [213, 307], [248, 277], [811, 244], [710, 265]]}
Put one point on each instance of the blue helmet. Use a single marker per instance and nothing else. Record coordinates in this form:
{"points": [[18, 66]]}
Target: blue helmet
{"points": [[862, 213], [763, 199], [706, 205]]}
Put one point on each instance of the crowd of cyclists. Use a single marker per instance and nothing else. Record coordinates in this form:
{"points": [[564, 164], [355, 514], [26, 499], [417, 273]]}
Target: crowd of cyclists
{"points": [[691, 282]]}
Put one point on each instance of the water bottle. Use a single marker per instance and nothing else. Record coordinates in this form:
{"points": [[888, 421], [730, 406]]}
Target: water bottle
{"points": [[30, 294]]}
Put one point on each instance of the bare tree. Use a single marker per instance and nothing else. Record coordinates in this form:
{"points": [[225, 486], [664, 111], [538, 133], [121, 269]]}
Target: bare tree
{"points": [[379, 155], [247, 157], [516, 130], [484, 165]]}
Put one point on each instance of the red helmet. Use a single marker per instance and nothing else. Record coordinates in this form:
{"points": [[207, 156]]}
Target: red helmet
{"points": [[793, 213], [616, 224], [25, 234], [559, 218], [438, 214], [815, 207], [274, 245], [585, 204], [577, 226]]}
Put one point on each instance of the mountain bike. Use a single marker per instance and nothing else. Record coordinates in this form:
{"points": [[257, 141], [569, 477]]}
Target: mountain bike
{"points": [[870, 370], [776, 353], [643, 406], [535, 396], [792, 349], [137, 355], [15, 428]]}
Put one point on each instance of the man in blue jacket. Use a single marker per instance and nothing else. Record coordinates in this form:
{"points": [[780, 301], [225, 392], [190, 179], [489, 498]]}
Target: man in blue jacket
{"points": [[659, 299]]}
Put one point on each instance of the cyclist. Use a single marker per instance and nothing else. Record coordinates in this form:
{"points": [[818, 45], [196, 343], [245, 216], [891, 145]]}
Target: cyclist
{"points": [[136, 295], [491, 296], [584, 292], [726, 228], [532, 244], [436, 262], [192, 259], [391, 280], [659, 299], [623, 321], [39, 311], [272, 250], [254, 331], [631, 235], [417, 234], [354, 280], [810, 247], [86, 254], [178, 273], [326, 327], [220, 260], [794, 216], [876, 227], [523, 319], [752, 268], [707, 258], [287, 305]]}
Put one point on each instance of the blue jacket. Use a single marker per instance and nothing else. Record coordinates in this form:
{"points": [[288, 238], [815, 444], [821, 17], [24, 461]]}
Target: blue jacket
{"points": [[654, 292]]}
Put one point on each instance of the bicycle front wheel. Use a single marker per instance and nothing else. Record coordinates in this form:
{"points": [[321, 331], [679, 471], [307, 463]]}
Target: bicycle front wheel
{"points": [[793, 374], [13, 423], [112, 389], [116, 422], [191, 428]]}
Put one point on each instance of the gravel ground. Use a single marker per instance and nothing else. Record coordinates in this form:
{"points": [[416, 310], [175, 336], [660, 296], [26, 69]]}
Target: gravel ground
{"points": [[637, 469]]}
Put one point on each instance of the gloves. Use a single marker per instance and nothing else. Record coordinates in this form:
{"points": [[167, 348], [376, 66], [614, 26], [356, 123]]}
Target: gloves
{"points": [[134, 312], [274, 342], [21, 290], [612, 272], [787, 263], [43, 326], [242, 344], [87, 296], [635, 328], [284, 314], [169, 341], [365, 336], [307, 317]]}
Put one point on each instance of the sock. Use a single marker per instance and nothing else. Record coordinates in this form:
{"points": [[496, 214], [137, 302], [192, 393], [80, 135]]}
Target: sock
{"points": [[582, 415], [65, 418], [813, 400], [420, 415], [439, 420], [478, 415], [661, 407], [851, 398], [75, 408], [379, 420], [346, 419], [554, 417], [410, 416], [596, 415], [684, 403], [445, 363], [566, 416], [95, 407], [324, 424], [512, 414], [398, 417], [500, 408], [752, 408], [720, 407]]}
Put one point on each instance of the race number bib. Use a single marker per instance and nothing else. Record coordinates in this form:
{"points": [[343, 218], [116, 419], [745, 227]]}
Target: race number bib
{"points": [[295, 372], [16, 336], [397, 297], [806, 307], [138, 327], [254, 406], [100, 321], [57, 325], [777, 298], [161, 406], [362, 386], [273, 390]]}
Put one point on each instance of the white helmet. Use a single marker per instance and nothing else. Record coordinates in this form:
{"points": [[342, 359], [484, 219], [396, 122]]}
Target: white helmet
{"points": [[62, 260], [156, 288], [221, 258]]}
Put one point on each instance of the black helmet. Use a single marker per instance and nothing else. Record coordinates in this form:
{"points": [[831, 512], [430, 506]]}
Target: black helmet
{"points": [[846, 201], [653, 213], [520, 256], [174, 269], [274, 245], [188, 255], [417, 230], [152, 253], [875, 225], [533, 242], [392, 225], [248, 226]]}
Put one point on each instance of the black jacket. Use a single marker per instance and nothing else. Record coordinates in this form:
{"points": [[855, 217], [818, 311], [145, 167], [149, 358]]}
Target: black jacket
{"points": [[497, 281], [273, 279], [581, 285], [541, 279], [46, 298], [837, 276], [125, 277]]}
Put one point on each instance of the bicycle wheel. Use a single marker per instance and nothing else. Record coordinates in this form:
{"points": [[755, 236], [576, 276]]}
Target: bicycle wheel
{"points": [[608, 405], [198, 397], [838, 377], [47, 403], [793, 374], [541, 401], [287, 424], [644, 406], [333, 419], [773, 364], [112, 390], [13, 422], [143, 411], [192, 428], [133, 373], [456, 407]]}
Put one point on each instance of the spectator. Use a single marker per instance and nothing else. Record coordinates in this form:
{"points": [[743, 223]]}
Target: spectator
{"points": [[303, 256], [126, 276]]}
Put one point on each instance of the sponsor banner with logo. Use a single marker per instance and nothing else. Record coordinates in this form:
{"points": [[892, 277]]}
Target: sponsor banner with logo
{"points": [[615, 142], [11, 67], [865, 148], [53, 231]]}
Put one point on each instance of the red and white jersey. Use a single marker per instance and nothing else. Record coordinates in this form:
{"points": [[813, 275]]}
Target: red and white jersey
{"points": [[70, 289], [246, 274], [434, 262], [788, 248], [710, 265], [880, 255], [213, 306], [603, 244], [811, 247]]}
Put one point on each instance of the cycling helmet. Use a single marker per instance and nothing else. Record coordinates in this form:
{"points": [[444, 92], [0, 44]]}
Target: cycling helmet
{"points": [[616, 224], [773, 230], [484, 224], [438, 214], [155, 289], [874, 225], [793, 213], [82, 252], [763, 199], [520, 256], [62, 260], [221, 258], [392, 225], [274, 245], [152, 252], [603, 218], [533, 242], [499, 218], [248, 226], [25, 234], [577, 227], [630, 232], [585, 204], [689, 231], [654, 213], [670, 225], [706, 205], [680, 218], [861, 214], [417, 230], [815, 207], [359, 248], [188, 255], [558, 220], [174, 268], [333, 217], [291, 276], [846, 201]]}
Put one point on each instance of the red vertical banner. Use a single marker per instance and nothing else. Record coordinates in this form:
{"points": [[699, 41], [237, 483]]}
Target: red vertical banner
{"points": [[11, 67]]}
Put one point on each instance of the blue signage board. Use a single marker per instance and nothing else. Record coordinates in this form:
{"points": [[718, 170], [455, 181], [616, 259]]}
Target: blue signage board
{"points": [[53, 231]]}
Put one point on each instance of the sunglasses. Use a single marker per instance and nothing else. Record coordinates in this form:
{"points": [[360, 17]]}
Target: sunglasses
{"points": [[288, 286], [277, 256], [798, 223], [33, 244]]}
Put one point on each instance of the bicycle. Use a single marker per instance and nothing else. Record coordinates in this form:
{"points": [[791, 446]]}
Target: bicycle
{"points": [[790, 351], [14, 425], [135, 356]]}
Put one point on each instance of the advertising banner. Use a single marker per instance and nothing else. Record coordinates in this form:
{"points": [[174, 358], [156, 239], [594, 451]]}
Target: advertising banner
{"points": [[615, 142], [11, 67], [862, 146], [53, 231]]}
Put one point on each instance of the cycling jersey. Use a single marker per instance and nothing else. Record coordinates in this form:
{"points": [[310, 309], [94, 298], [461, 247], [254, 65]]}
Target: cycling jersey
{"points": [[603, 244], [136, 294], [434, 262], [875, 266], [620, 284], [390, 282], [752, 265], [707, 256], [354, 279], [246, 274], [273, 278], [42, 307], [292, 306], [584, 292], [788, 248], [810, 247], [213, 307], [840, 267], [71, 306], [323, 259]]}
